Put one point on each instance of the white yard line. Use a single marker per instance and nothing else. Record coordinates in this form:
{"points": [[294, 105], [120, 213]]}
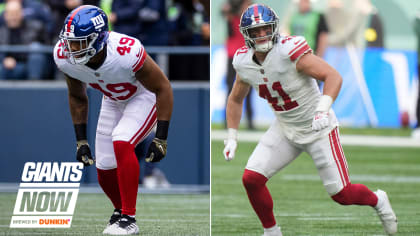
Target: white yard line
{"points": [[362, 178], [350, 140]]}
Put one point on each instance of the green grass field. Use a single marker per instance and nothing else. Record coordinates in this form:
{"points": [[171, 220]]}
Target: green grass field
{"points": [[301, 204], [156, 215]]}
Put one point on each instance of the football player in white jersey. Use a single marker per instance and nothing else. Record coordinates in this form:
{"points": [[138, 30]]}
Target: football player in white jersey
{"points": [[136, 96], [283, 71]]}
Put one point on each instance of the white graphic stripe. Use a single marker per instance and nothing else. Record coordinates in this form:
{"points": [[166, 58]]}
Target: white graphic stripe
{"points": [[70, 185]]}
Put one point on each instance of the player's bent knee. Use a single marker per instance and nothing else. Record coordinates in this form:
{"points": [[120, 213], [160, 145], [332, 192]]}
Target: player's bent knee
{"points": [[105, 162], [344, 196], [252, 179]]}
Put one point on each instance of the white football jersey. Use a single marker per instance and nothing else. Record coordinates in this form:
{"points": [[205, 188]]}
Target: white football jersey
{"points": [[293, 96], [115, 78]]}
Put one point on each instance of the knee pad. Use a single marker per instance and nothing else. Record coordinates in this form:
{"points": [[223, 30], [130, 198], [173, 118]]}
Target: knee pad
{"points": [[252, 179], [344, 196]]}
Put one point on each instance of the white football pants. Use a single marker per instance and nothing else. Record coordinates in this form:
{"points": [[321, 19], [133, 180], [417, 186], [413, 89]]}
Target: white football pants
{"points": [[274, 151], [131, 121]]}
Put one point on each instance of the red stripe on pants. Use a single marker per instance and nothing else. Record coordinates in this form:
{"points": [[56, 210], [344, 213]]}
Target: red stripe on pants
{"points": [[335, 159], [150, 116], [340, 156]]}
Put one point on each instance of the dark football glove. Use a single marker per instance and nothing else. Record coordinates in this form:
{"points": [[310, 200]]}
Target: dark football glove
{"points": [[157, 150], [83, 153]]}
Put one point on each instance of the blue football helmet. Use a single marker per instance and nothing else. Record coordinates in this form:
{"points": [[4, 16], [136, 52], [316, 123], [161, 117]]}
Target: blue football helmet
{"points": [[84, 33], [259, 15]]}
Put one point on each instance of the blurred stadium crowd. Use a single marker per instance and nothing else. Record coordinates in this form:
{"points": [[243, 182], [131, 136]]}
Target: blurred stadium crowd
{"points": [[37, 23]]}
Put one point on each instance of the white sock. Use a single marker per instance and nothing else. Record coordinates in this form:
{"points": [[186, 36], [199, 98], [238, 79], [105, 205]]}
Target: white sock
{"points": [[271, 229]]}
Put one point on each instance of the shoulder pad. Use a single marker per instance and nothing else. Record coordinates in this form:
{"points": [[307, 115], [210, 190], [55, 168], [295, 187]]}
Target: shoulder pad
{"points": [[239, 55], [59, 54], [293, 47]]}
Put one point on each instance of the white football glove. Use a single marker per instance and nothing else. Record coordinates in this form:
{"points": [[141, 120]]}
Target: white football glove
{"points": [[320, 121], [230, 148], [230, 145], [321, 118]]}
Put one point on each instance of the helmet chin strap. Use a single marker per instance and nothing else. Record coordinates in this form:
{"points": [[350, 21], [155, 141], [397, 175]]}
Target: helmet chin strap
{"points": [[85, 59], [264, 47]]}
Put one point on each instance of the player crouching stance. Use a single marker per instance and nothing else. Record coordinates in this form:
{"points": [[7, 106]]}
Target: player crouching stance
{"points": [[281, 70], [137, 95]]}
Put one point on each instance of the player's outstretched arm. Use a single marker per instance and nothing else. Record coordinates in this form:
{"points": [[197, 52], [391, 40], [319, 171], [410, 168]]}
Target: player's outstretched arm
{"points": [[78, 102], [233, 115], [235, 103], [155, 81], [317, 68]]}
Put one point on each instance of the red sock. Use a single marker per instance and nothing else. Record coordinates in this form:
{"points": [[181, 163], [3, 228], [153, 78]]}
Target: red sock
{"points": [[128, 175], [108, 181], [357, 194], [259, 196]]}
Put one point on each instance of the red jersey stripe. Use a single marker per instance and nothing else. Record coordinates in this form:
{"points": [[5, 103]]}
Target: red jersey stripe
{"points": [[300, 52], [298, 46], [140, 54], [140, 64]]}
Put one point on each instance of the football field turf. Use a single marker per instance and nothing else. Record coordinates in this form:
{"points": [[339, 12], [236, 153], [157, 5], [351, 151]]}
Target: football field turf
{"points": [[301, 204], [156, 215]]}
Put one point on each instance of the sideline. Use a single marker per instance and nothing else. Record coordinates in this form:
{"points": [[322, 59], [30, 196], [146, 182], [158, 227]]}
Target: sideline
{"points": [[349, 140]]}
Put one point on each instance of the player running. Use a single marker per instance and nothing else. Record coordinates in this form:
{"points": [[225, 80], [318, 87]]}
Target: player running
{"points": [[283, 71], [137, 95]]}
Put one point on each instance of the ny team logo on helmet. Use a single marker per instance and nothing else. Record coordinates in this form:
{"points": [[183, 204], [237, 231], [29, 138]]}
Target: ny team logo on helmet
{"points": [[258, 15], [87, 27]]}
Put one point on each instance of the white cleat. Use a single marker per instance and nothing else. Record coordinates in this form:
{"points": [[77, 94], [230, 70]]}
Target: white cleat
{"points": [[156, 180], [415, 134], [116, 215], [273, 231], [125, 226], [385, 212]]}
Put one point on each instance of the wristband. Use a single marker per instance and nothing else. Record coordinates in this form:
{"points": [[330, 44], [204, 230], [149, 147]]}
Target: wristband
{"points": [[324, 103], [162, 129], [232, 134], [80, 130]]}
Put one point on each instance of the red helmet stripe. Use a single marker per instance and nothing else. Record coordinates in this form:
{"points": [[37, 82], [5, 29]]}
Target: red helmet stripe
{"points": [[256, 15], [72, 16]]}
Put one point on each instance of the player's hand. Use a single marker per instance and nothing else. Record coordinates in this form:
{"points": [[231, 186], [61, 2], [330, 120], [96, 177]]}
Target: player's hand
{"points": [[157, 150], [320, 121], [83, 153], [230, 148]]}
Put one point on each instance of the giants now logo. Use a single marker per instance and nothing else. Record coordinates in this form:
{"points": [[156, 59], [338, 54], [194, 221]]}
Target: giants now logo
{"points": [[47, 195]]}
